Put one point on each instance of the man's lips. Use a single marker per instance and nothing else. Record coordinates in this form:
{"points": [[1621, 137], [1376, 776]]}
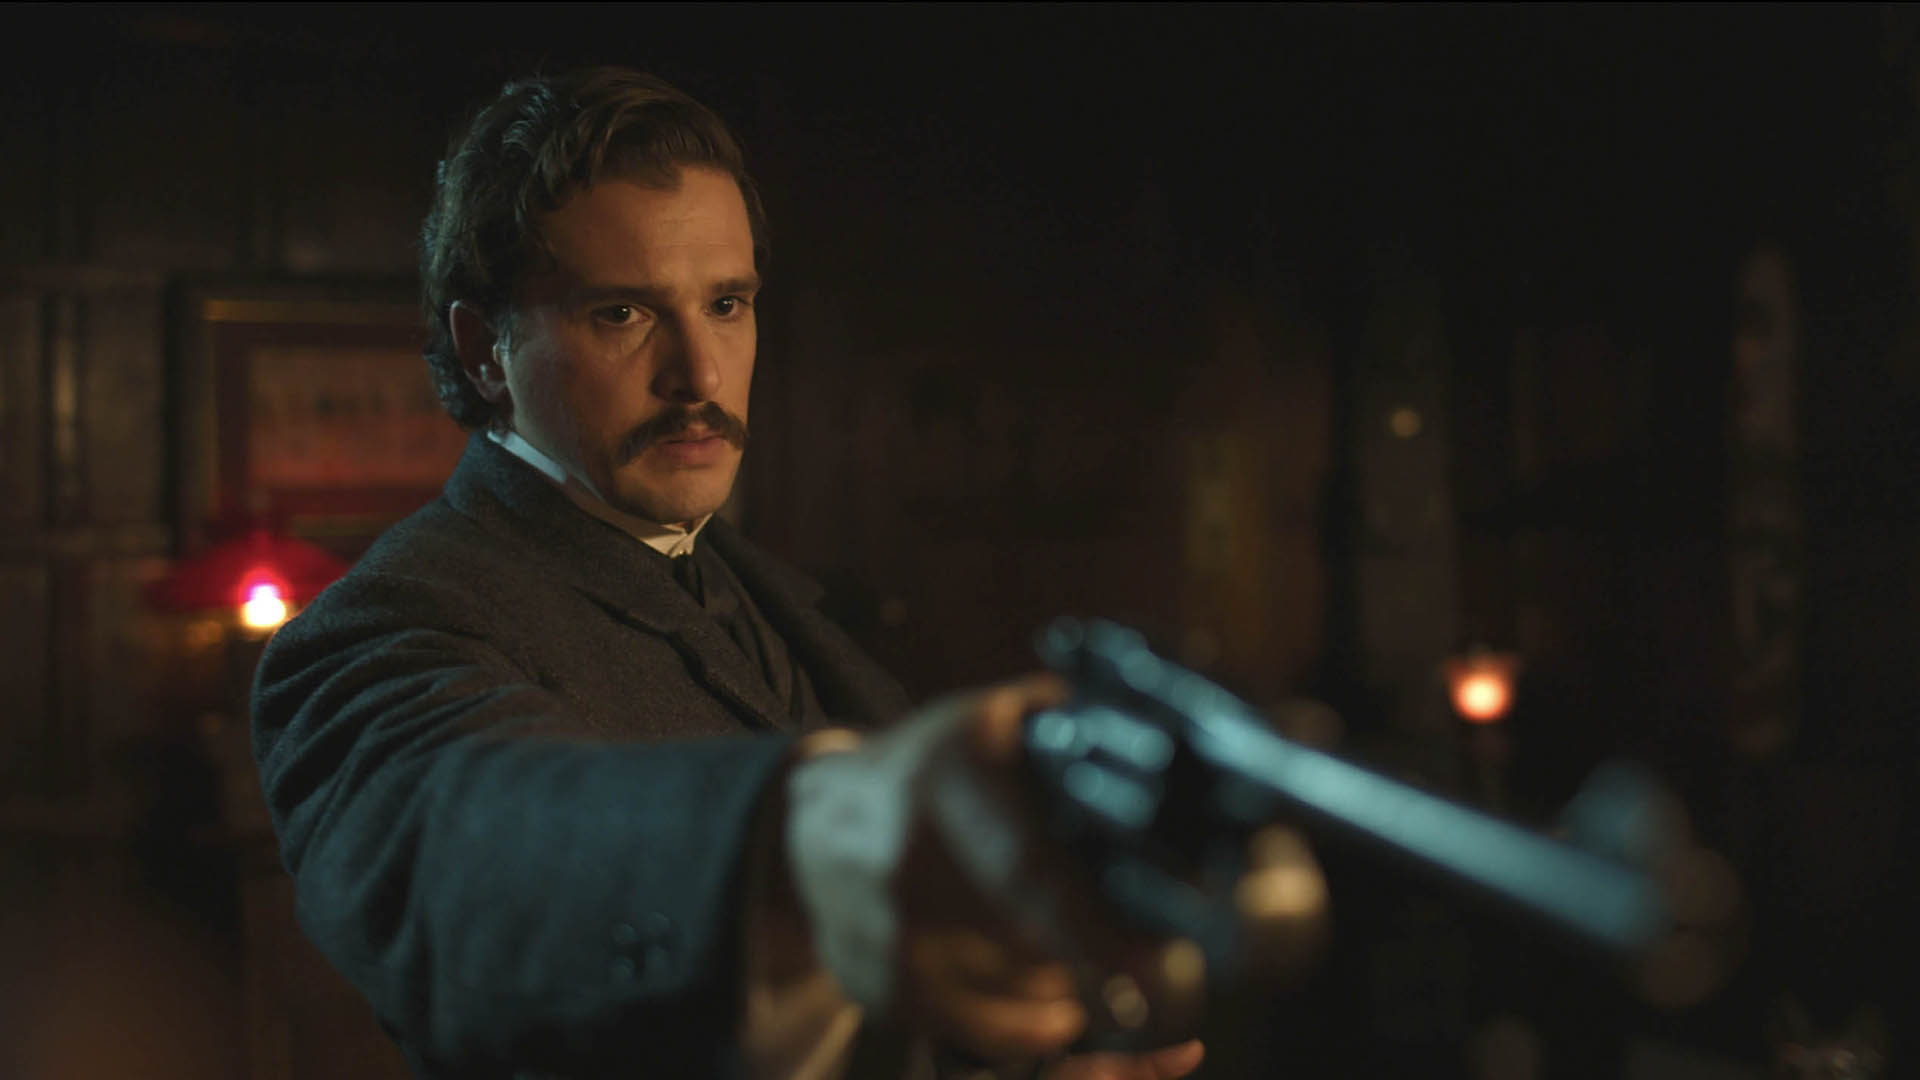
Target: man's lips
{"points": [[693, 448]]}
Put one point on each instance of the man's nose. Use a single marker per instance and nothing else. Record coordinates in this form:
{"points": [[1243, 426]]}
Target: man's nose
{"points": [[690, 370]]}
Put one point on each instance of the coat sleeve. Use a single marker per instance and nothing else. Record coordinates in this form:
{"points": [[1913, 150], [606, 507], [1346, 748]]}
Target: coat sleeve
{"points": [[507, 891]]}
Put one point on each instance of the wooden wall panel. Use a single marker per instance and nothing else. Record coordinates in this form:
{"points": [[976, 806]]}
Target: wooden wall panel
{"points": [[1593, 400], [803, 426], [23, 672], [929, 477], [63, 769], [118, 706], [962, 474], [62, 354], [21, 412], [1405, 571], [1252, 424], [123, 391]]}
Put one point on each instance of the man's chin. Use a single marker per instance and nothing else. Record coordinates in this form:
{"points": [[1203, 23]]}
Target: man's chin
{"points": [[668, 508], [672, 496]]}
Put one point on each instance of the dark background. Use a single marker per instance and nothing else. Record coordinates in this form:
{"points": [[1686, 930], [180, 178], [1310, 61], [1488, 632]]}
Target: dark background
{"points": [[1078, 310]]}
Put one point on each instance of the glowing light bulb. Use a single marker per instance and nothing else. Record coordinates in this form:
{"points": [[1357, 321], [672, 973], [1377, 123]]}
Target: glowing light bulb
{"points": [[264, 608], [1483, 696], [1480, 684]]}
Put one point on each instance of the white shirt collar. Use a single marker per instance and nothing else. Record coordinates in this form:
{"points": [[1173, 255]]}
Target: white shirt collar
{"points": [[672, 541]]}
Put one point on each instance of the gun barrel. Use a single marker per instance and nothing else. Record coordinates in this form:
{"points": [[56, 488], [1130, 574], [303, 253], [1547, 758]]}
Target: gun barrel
{"points": [[1259, 776], [1616, 906]]}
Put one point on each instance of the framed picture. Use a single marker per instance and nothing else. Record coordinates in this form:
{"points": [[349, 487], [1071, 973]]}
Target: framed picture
{"points": [[310, 406]]}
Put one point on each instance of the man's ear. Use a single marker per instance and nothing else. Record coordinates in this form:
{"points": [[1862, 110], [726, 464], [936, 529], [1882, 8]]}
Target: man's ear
{"points": [[475, 340]]}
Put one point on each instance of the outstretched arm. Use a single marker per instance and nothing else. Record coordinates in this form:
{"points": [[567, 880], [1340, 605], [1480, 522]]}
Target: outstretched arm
{"points": [[500, 884]]}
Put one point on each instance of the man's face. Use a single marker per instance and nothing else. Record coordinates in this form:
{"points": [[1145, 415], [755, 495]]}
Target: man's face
{"points": [[631, 355]]}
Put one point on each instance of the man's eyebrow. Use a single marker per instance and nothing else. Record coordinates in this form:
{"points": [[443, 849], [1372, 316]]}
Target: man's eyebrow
{"points": [[658, 294]]}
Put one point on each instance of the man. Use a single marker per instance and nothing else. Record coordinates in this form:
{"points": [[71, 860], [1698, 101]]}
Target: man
{"points": [[563, 769]]}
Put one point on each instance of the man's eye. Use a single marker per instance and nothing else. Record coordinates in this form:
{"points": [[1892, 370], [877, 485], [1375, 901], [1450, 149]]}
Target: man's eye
{"points": [[728, 305], [617, 314]]}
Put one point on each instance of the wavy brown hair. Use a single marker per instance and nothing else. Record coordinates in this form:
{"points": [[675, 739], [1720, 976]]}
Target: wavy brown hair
{"points": [[523, 154]]}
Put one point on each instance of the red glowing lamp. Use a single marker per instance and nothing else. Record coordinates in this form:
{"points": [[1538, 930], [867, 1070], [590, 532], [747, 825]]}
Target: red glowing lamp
{"points": [[1480, 685], [260, 575]]}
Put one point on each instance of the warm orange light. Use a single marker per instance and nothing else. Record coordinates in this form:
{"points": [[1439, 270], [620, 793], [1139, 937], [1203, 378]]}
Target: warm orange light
{"points": [[264, 608], [1482, 696], [1480, 685]]}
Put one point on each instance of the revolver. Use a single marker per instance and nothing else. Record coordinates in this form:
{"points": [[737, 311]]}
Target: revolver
{"points": [[1161, 782]]}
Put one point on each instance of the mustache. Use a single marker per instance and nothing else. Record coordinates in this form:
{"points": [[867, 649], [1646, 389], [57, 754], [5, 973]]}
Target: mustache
{"points": [[679, 421]]}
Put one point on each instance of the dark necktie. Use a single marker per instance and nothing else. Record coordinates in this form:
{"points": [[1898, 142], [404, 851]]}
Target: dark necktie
{"points": [[719, 602], [727, 605], [686, 571]]}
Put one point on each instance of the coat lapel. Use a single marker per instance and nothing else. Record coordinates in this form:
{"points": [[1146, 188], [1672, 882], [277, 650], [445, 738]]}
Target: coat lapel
{"points": [[509, 497], [854, 688]]}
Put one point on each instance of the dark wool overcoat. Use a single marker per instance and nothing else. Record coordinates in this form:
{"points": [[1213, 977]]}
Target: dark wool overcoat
{"points": [[512, 766]]}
